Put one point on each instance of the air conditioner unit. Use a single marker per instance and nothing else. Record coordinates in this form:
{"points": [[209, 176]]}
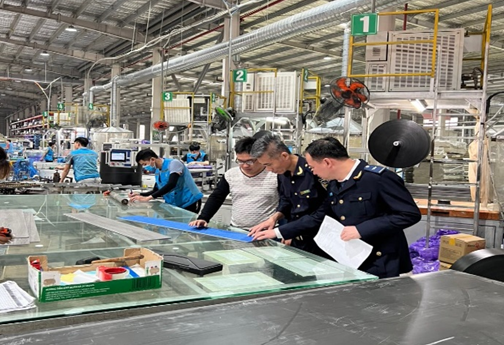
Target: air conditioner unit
{"points": [[377, 53], [284, 87], [417, 58], [248, 98]]}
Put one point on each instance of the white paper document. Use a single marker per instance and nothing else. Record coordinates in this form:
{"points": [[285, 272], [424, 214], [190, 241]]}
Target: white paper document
{"points": [[349, 253], [13, 298]]}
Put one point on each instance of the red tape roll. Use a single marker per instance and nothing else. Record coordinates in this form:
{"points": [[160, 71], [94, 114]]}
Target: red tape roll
{"points": [[111, 273]]}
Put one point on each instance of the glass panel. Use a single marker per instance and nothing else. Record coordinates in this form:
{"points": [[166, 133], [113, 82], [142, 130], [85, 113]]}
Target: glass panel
{"points": [[248, 268]]}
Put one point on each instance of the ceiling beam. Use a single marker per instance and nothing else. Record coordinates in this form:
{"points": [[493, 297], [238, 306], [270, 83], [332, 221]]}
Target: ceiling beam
{"points": [[74, 53], [138, 12], [50, 68], [109, 30], [13, 25], [470, 10], [219, 4], [115, 6]]}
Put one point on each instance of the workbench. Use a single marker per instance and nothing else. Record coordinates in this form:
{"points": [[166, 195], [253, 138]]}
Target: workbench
{"points": [[65, 240], [442, 308]]}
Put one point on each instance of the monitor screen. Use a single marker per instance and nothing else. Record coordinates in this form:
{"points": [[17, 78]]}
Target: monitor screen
{"points": [[118, 156]]}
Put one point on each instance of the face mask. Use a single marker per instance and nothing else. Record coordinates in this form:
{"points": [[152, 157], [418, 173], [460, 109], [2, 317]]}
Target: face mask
{"points": [[149, 168]]}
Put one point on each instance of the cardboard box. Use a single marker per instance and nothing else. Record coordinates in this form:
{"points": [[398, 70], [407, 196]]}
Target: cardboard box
{"points": [[45, 283], [453, 247], [443, 266]]}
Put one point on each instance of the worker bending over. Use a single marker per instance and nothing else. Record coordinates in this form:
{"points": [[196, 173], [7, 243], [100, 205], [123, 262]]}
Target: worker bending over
{"points": [[173, 182]]}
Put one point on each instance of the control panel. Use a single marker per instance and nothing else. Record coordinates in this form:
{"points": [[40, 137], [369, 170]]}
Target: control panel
{"points": [[121, 158]]}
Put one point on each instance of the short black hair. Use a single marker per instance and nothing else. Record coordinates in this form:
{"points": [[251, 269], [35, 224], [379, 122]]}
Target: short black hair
{"points": [[194, 146], [51, 143], [145, 155], [81, 140], [244, 145], [5, 166], [327, 147], [269, 143]]}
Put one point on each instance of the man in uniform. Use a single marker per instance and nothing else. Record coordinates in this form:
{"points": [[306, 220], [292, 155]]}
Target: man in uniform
{"points": [[370, 201], [301, 194], [84, 163]]}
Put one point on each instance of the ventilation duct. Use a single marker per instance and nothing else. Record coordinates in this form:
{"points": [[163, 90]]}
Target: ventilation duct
{"points": [[331, 14]]}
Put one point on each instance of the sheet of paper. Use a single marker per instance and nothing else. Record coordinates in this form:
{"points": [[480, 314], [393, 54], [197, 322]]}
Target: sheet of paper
{"points": [[349, 253], [12, 298]]}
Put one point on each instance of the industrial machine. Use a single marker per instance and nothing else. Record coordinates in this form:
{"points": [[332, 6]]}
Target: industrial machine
{"points": [[118, 166]]}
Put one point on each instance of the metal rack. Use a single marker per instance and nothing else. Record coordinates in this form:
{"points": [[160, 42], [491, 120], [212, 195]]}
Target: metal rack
{"points": [[444, 103]]}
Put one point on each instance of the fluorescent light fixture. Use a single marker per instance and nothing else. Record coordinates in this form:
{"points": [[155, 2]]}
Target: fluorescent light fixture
{"points": [[327, 58], [71, 29], [44, 53], [419, 104], [28, 69], [327, 85], [343, 25]]}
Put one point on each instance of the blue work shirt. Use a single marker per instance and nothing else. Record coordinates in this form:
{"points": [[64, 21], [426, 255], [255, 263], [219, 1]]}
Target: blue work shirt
{"points": [[49, 156], [185, 192], [191, 157], [84, 163]]}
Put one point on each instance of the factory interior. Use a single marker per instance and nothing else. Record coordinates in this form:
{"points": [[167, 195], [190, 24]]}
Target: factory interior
{"points": [[251, 172]]}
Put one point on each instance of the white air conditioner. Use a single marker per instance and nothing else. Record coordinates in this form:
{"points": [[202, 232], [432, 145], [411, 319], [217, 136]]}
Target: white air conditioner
{"points": [[417, 58], [248, 98], [284, 87]]}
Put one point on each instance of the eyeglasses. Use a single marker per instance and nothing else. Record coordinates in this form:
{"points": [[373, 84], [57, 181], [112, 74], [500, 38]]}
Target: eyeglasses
{"points": [[249, 162]]}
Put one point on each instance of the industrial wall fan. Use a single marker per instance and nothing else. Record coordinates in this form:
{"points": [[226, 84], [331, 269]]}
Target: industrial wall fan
{"points": [[160, 126], [222, 119], [345, 92]]}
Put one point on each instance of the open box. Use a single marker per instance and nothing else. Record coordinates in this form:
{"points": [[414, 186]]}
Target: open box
{"points": [[46, 283]]}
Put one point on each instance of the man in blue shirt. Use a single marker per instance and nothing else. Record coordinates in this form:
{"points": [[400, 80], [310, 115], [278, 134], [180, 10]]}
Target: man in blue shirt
{"points": [[84, 162], [196, 155], [49, 154], [173, 182]]}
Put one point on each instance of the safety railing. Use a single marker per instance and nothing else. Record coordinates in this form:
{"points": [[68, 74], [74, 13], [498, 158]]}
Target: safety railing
{"points": [[485, 37], [433, 41], [302, 92]]}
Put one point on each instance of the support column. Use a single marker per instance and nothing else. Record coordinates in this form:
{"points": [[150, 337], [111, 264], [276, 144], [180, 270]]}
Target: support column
{"points": [[54, 103], [88, 82], [116, 70], [43, 106], [68, 92], [157, 89], [231, 30]]}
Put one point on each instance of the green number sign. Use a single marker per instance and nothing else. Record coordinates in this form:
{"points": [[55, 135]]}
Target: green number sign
{"points": [[45, 114], [167, 96], [364, 24], [61, 106], [90, 106], [240, 75], [306, 73]]}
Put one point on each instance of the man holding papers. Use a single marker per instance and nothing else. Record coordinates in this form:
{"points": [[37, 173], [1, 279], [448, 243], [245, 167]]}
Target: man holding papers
{"points": [[370, 201]]}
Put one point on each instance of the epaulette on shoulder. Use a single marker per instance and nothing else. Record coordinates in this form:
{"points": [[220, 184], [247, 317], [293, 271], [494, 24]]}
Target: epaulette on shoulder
{"points": [[374, 169]]}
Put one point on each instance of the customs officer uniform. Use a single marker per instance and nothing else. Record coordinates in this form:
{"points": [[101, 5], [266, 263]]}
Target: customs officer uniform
{"points": [[301, 194], [376, 202]]}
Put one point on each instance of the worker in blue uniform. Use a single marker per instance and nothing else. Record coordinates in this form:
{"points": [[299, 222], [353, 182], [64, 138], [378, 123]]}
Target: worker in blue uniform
{"points": [[84, 163], [301, 194], [48, 154], [173, 182], [370, 201], [196, 155]]}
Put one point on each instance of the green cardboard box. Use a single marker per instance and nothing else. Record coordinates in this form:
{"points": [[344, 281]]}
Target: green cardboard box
{"points": [[45, 284]]}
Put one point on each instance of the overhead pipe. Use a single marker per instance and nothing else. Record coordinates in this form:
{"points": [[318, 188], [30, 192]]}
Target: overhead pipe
{"points": [[330, 14]]}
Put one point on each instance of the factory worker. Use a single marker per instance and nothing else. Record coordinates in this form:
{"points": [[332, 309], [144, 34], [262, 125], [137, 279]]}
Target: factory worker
{"points": [[48, 154], [370, 201], [301, 194], [84, 163], [173, 182], [253, 189], [195, 155]]}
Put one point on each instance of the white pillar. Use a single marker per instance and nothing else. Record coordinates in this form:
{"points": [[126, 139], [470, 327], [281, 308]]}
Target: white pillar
{"points": [[68, 92], [116, 70], [88, 82], [231, 28], [157, 90], [54, 103]]}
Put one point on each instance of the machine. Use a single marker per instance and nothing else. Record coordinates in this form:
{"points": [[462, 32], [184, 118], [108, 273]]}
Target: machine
{"points": [[118, 166]]}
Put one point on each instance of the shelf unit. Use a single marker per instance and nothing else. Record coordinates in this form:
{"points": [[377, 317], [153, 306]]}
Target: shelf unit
{"points": [[29, 126]]}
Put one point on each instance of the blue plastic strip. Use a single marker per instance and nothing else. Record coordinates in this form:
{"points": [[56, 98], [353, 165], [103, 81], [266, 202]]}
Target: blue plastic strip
{"points": [[230, 235]]}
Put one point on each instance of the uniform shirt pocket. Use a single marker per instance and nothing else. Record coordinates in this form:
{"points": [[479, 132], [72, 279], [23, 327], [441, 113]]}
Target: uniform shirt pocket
{"points": [[361, 203]]}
